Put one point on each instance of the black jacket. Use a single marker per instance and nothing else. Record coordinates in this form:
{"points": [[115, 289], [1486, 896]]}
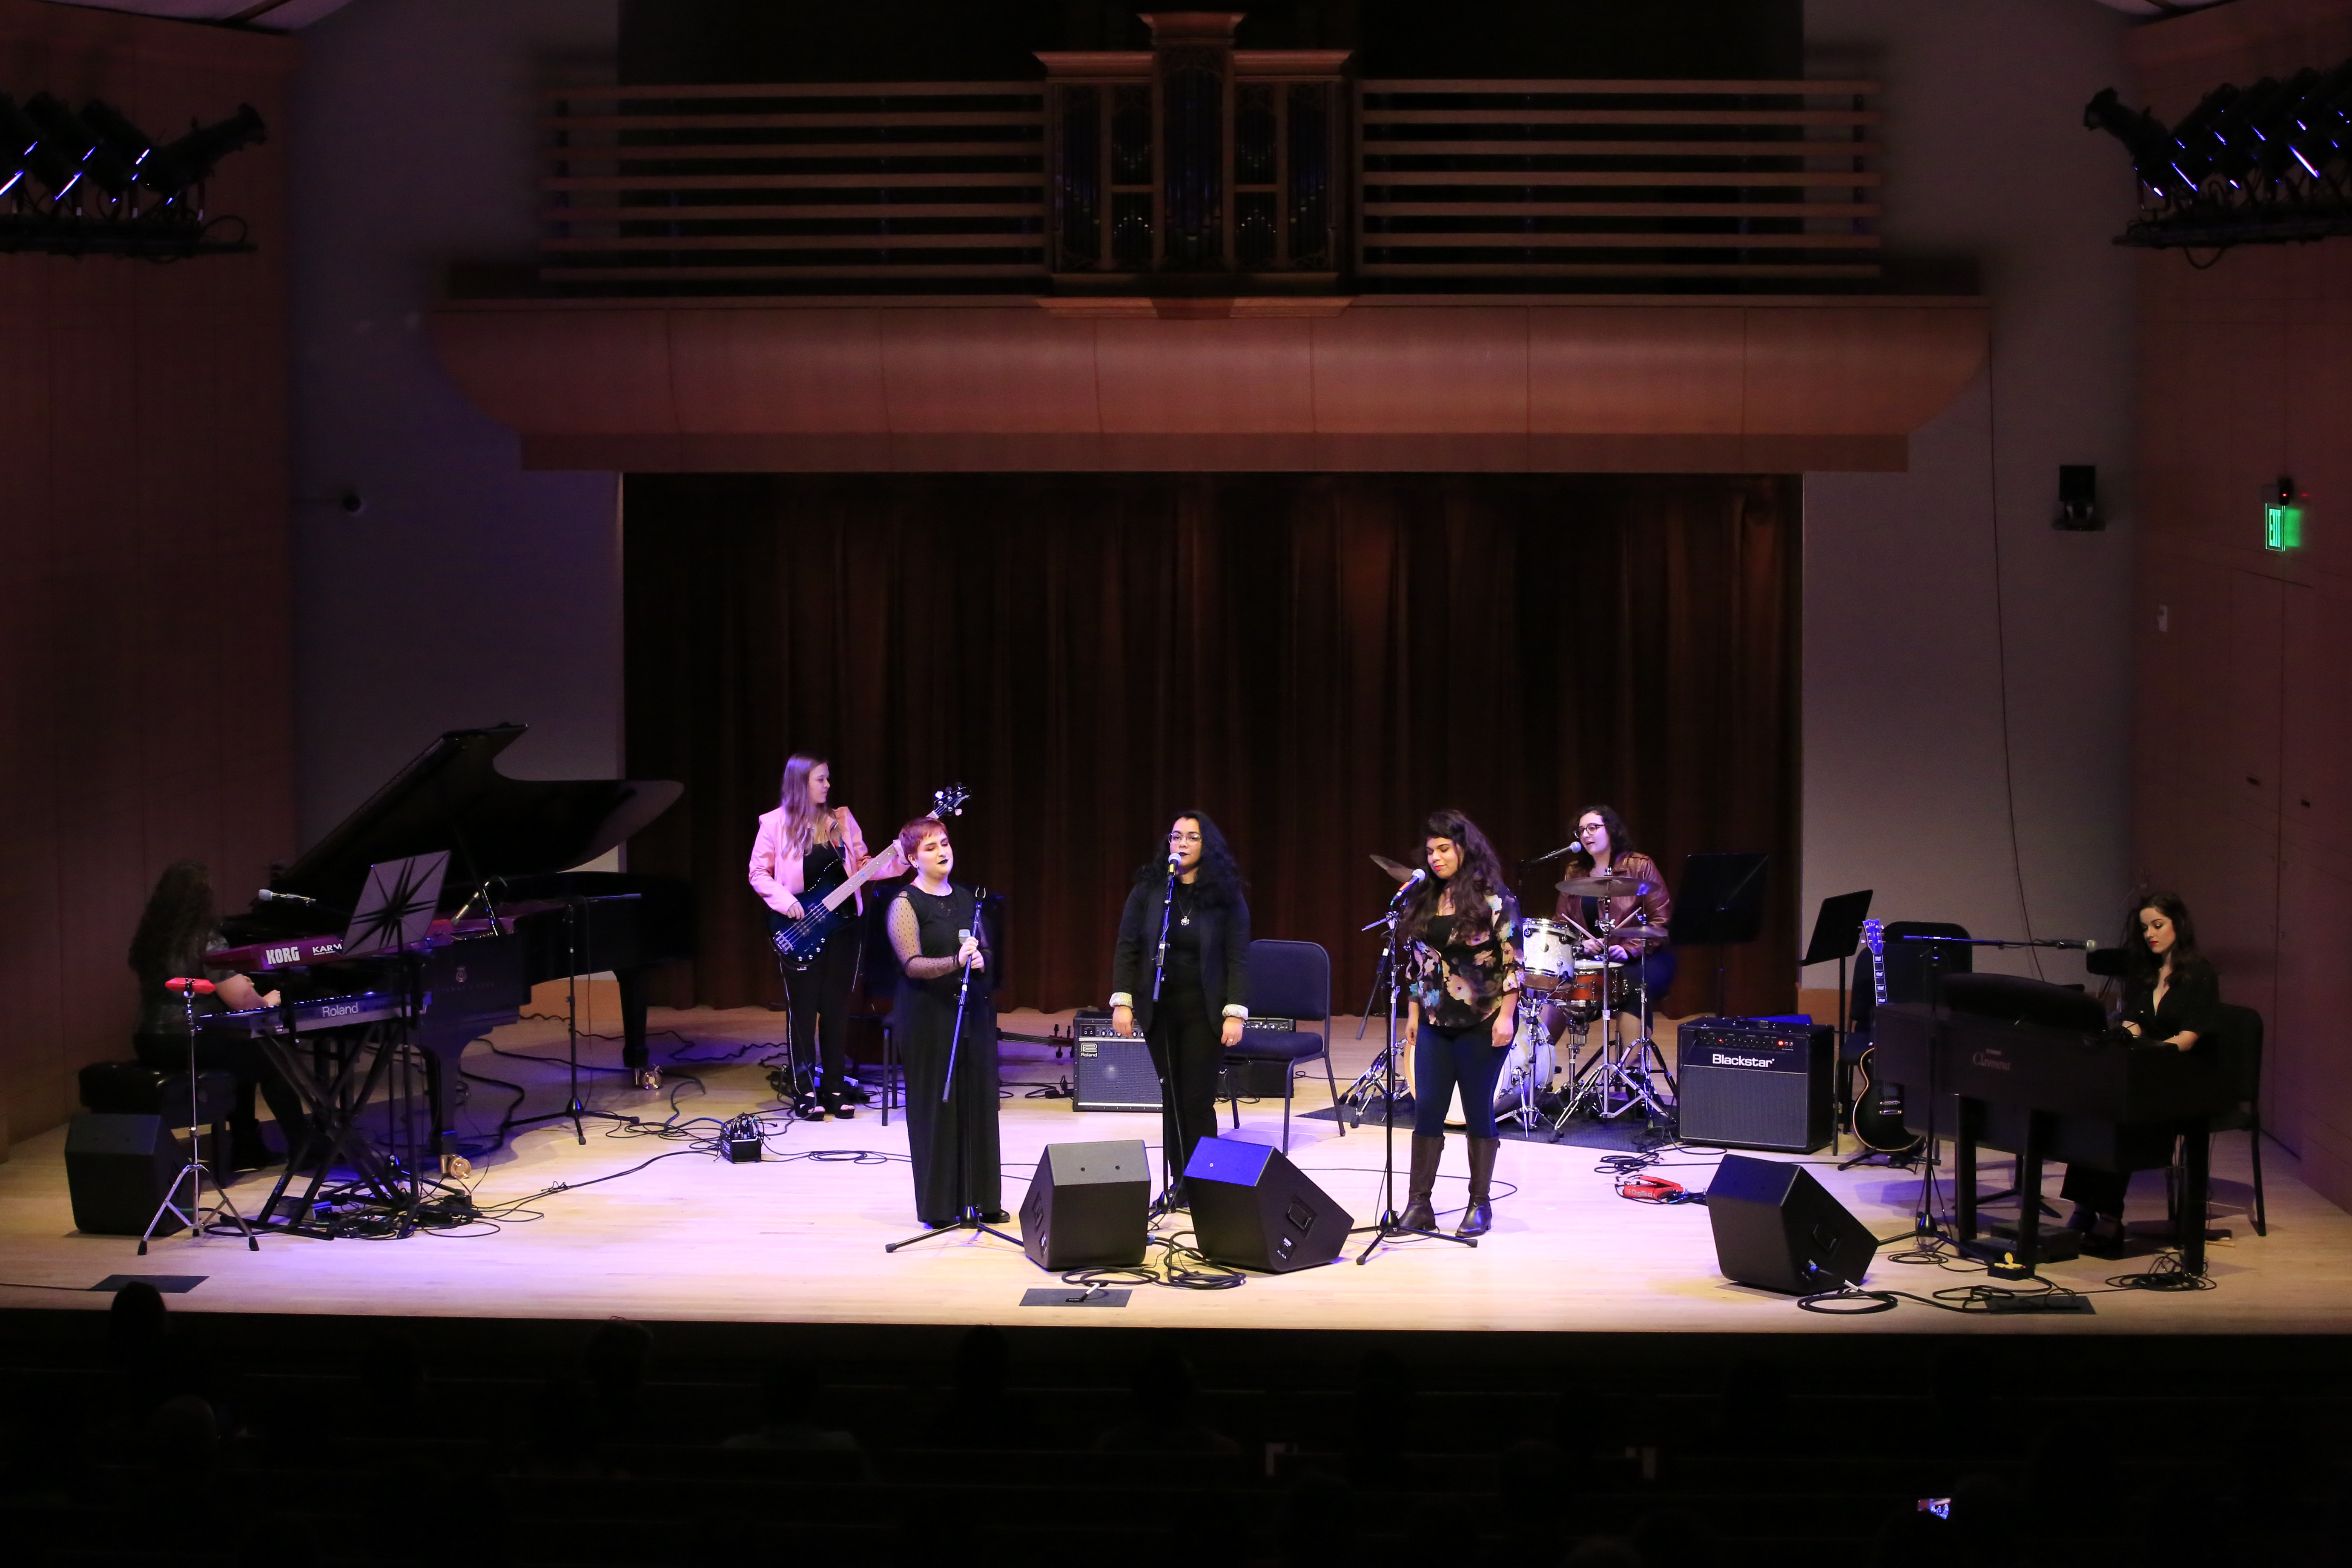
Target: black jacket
{"points": [[1224, 949], [2189, 1003]]}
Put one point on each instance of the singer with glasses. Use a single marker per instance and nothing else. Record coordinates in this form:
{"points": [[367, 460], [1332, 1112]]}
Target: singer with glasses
{"points": [[935, 932], [1192, 893], [1460, 931], [2170, 994]]}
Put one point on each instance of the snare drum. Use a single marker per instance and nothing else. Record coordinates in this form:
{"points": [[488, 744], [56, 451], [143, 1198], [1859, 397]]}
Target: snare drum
{"points": [[1581, 991], [1546, 954]]}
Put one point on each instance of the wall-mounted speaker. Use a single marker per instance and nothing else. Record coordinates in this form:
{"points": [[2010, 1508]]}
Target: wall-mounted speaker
{"points": [[1253, 1208], [1088, 1205], [1778, 1229]]}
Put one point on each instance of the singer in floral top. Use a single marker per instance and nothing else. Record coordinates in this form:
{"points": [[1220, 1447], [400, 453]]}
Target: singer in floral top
{"points": [[1461, 928]]}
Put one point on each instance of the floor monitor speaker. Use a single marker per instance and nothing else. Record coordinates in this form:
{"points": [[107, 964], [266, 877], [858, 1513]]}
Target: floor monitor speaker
{"points": [[1253, 1208], [1088, 1205], [1778, 1229], [118, 1168]]}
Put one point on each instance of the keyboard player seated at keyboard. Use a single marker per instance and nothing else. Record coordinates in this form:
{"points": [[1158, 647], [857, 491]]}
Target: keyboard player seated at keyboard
{"points": [[2169, 994], [181, 924]]}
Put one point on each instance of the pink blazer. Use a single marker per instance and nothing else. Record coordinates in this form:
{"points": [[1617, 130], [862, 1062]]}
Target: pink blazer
{"points": [[776, 873]]}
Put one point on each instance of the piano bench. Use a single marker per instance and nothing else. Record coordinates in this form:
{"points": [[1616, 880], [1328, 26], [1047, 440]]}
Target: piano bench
{"points": [[135, 1088]]}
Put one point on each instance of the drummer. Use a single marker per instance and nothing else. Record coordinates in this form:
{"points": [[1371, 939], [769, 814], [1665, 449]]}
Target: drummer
{"points": [[1636, 916]]}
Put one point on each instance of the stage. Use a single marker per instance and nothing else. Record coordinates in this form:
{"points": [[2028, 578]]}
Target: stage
{"points": [[799, 1236]]}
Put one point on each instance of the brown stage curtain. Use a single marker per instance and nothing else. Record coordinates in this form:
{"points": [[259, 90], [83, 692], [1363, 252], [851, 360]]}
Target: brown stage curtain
{"points": [[1317, 660]]}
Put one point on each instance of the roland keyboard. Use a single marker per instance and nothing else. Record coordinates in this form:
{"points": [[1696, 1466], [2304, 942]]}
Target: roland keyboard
{"points": [[319, 1013]]}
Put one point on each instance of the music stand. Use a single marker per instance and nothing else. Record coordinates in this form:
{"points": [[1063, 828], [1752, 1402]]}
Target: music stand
{"points": [[1720, 904], [1837, 932], [395, 909]]}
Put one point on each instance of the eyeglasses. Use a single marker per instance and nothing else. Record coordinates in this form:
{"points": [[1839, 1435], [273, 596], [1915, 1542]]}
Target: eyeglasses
{"points": [[1183, 838], [1584, 827]]}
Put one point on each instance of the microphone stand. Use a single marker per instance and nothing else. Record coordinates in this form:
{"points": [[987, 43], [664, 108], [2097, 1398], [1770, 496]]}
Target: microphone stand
{"points": [[1390, 1225], [1166, 1202], [968, 1211]]}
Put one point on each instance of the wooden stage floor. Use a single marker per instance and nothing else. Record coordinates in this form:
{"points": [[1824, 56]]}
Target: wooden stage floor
{"points": [[800, 1238]]}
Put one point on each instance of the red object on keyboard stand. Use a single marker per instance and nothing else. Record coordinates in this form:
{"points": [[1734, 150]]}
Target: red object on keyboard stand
{"points": [[201, 987]]}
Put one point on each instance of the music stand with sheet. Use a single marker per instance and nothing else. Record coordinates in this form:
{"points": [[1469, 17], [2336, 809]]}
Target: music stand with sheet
{"points": [[1837, 932]]}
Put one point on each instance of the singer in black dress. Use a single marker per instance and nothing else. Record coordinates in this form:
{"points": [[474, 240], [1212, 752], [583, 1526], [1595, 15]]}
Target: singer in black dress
{"points": [[1204, 993], [935, 932]]}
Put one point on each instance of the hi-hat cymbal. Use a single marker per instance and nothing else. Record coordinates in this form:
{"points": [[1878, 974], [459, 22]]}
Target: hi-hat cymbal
{"points": [[1402, 873], [1600, 887]]}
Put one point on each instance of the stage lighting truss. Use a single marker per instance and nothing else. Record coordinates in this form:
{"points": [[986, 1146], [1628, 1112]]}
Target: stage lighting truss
{"points": [[2263, 165], [93, 183]]}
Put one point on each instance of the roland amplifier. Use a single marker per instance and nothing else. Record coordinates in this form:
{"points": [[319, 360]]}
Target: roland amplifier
{"points": [[1756, 1083]]}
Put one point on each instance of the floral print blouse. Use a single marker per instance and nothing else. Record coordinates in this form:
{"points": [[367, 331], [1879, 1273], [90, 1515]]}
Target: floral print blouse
{"points": [[1460, 985]]}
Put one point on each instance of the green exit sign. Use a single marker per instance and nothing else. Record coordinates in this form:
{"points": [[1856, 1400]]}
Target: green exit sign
{"points": [[2282, 527]]}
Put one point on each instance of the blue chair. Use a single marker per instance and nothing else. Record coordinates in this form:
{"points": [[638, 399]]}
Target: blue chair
{"points": [[1287, 980]]}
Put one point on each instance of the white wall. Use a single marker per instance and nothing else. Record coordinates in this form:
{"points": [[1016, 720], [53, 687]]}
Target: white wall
{"points": [[1904, 785], [469, 591]]}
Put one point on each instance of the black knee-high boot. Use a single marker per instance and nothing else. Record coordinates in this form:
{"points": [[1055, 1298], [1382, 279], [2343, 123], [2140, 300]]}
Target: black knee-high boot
{"points": [[1480, 1216], [1426, 1153]]}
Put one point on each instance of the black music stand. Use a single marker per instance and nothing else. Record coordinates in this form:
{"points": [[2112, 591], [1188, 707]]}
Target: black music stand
{"points": [[1837, 932], [1721, 904]]}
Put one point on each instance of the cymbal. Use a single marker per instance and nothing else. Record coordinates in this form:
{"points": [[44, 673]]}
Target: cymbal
{"points": [[1402, 873], [1600, 887]]}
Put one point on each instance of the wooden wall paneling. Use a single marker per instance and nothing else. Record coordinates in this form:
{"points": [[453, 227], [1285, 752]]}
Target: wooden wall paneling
{"points": [[1237, 377], [2308, 1075], [752, 372], [1635, 371], [1441, 370]]}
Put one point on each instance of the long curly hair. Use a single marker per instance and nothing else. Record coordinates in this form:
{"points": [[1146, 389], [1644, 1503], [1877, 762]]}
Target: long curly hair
{"points": [[2140, 963], [1620, 839], [1219, 883], [180, 913], [1480, 878]]}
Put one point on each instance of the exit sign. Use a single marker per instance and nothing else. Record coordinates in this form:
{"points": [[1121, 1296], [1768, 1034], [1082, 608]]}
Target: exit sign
{"points": [[2282, 527]]}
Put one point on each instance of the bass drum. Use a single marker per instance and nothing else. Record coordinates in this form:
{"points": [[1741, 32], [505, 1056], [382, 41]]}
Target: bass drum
{"points": [[1530, 1067]]}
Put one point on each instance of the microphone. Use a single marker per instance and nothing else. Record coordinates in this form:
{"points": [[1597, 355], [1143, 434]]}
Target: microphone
{"points": [[962, 937], [268, 896], [2086, 945], [1173, 859], [1410, 883], [201, 987]]}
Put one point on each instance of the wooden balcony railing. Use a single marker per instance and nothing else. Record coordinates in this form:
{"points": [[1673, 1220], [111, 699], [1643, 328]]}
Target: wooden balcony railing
{"points": [[744, 188], [1616, 179], [1195, 166]]}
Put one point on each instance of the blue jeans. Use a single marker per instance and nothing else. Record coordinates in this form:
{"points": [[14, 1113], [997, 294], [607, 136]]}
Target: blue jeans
{"points": [[1443, 1058]]}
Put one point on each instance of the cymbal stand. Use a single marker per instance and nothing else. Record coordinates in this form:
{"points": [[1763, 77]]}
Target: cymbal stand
{"points": [[194, 1173], [1390, 1224], [1371, 1083]]}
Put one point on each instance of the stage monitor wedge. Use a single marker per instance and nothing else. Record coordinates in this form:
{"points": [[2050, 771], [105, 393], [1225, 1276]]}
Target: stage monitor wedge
{"points": [[1778, 1229], [1089, 1205], [1253, 1209]]}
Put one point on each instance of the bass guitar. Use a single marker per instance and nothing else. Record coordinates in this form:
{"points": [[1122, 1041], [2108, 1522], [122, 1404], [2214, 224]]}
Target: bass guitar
{"points": [[798, 942], [1878, 1123]]}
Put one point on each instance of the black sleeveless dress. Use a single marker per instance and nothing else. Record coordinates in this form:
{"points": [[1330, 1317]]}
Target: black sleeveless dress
{"points": [[923, 1020]]}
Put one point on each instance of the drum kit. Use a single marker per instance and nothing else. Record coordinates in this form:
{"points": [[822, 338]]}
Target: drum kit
{"points": [[1570, 970]]}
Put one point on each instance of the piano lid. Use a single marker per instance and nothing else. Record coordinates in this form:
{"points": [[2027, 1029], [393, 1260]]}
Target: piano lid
{"points": [[453, 798]]}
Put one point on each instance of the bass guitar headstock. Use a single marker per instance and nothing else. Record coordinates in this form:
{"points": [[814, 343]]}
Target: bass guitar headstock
{"points": [[950, 802]]}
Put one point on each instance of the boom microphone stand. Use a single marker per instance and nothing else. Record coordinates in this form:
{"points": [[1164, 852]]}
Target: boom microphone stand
{"points": [[1390, 1225], [968, 1212]]}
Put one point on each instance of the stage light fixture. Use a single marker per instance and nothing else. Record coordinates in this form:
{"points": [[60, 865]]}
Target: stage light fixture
{"points": [[191, 158], [32, 155], [61, 128], [126, 140]]}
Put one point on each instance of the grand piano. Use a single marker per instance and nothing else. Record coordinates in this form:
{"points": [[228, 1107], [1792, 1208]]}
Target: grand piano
{"points": [[2030, 1068], [516, 914]]}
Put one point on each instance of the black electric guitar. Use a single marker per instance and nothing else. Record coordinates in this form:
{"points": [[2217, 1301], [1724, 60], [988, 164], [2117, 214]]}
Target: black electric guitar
{"points": [[798, 942], [1878, 1123]]}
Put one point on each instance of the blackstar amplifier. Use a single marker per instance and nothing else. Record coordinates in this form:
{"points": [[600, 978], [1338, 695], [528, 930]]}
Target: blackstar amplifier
{"points": [[1115, 1072], [1756, 1083]]}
